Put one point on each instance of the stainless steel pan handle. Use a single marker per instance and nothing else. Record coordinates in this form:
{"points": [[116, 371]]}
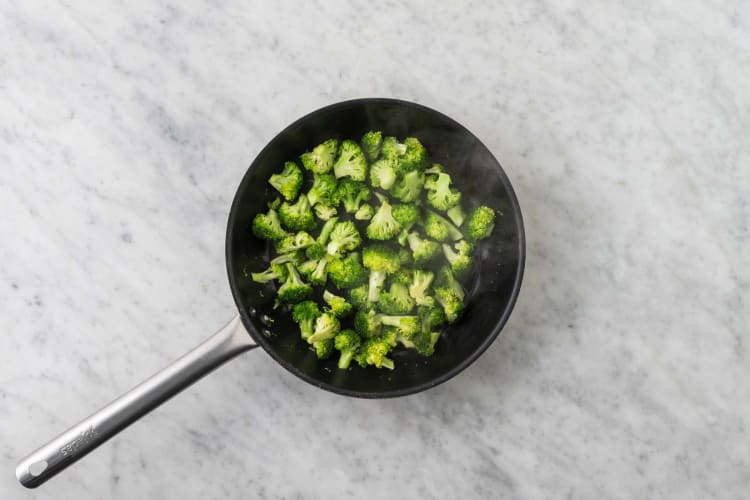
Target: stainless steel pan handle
{"points": [[76, 442]]}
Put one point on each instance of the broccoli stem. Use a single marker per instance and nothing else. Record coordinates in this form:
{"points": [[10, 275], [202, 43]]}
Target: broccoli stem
{"points": [[346, 359], [377, 278]]}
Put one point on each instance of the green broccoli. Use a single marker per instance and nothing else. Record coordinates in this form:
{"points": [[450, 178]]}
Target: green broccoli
{"points": [[304, 314], [365, 212], [327, 326], [480, 223], [288, 182], [320, 159], [325, 212], [419, 286], [392, 149], [383, 226], [344, 238], [324, 348], [407, 326], [439, 228], [358, 297], [316, 251], [440, 195], [406, 216], [367, 323], [319, 275], [371, 143], [274, 272], [450, 295], [424, 342], [381, 260], [351, 162], [295, 242], [296, 257], [347, 341], [423, 250], [268, 226], [347, 272], [405, 257], [275, 203], [337, 305], [436, 168], [308, 267], [459, 259], [323, 189], [383, 173], [294, 289], [374, 352], [456, 215], [396, 300], [352, 194], [408, 186], [402, 276], [299, 216], [415, 156], [431, 316]]}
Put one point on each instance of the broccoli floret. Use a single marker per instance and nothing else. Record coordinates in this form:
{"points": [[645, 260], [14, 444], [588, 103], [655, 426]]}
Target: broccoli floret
{"points": [[402, 276], [405, 257], [480, 223], [294, 289], [408, 326], [439, 228], [431, 316], [383, 226], [406, 215], [268, 226], [449, 294], [274, 272], [392, 149], [352, 194], [304, 314], [347, 272], [423, 250], [320, 159], [371, 143], [456, 215], [344, 238], [365, 212], [299, 216], [381, 260], [337, 305], [367, 323], [351, 162], [275, 204], [295, 242], [347, 341], [358, 297], [436, 168], [325, 232], [308, 267], [383, 173], [326, 327], [315, 251], [424, 342], [325, 212], [408, 186], [440, 194], [320, 273], [296, 257], [415, 157], [374, 352], [396, 300], [324, 348], [419, 286], [460, 258], [288, 182], [323, 189]]}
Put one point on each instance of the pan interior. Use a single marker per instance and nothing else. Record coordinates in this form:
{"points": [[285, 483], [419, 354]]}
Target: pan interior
{"points": [[492, 289]]}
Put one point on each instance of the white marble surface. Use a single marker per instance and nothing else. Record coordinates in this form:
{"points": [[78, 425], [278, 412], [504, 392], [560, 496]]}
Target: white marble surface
{"points": [[624, 371]]}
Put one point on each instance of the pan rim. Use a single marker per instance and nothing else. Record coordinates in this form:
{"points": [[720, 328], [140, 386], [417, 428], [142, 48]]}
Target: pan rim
{"points": [[465, 363]]}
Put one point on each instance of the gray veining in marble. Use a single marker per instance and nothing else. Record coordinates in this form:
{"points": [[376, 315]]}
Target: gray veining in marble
{"points": [[624, 371]]}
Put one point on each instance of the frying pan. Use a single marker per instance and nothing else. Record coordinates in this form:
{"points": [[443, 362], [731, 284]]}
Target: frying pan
{"points": [[491, 290]]}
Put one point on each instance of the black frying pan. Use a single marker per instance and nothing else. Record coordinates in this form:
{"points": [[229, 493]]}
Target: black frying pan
{"points": [[491, 292]]}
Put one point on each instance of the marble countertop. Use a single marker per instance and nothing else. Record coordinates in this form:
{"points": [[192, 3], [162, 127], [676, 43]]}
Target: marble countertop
{"points": [[624, 371]]}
